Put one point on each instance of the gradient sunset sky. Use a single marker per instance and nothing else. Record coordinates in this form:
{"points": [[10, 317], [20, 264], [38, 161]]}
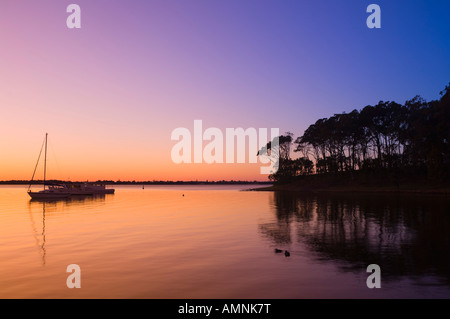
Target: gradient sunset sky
{"points": [[110, 94]]}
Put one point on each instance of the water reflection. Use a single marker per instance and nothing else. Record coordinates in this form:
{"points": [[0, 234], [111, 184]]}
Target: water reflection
{"points": [[39, 238], [71, 201], [44, 206], [405, 235]]}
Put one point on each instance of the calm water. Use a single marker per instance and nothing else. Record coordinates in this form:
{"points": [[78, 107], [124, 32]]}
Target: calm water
{"points": [[218, 242]]}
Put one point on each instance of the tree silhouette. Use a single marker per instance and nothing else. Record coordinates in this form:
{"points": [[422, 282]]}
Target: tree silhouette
{"points": [[386, 138]]}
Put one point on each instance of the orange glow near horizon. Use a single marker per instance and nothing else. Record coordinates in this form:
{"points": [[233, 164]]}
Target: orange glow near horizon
{"points": [[80, 160]]}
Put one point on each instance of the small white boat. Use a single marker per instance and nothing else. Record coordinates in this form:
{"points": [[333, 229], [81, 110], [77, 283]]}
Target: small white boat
{"points": [[88, 188], [99, 188]]}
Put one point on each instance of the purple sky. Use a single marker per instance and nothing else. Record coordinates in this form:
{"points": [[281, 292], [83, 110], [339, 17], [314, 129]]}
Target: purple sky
{"points": [[111, 93]]}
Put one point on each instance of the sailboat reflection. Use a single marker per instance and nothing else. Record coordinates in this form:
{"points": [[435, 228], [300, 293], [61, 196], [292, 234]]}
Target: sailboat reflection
{"points": [[47, 206], [75, 200], [40, 242]]}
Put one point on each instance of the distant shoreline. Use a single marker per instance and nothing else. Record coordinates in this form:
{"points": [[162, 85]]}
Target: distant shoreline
{"points": [[306, 185], [223, 182]]}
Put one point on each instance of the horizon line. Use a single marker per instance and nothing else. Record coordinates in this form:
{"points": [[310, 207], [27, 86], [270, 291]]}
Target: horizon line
{"points": [[19, 181]]}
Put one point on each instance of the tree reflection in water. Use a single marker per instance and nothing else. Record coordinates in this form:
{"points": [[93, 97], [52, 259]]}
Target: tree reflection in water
{"points": [[406, 235]]}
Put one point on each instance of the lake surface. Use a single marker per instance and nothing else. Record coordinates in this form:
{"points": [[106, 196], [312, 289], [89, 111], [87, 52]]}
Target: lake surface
{"points": [[219, 242]]}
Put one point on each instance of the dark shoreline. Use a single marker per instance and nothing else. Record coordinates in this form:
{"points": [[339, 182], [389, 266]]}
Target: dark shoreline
{"points": [[385, 190], [339, 184]]}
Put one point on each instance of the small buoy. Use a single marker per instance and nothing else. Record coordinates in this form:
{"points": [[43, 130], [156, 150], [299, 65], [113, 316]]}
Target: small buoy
{"points": [[286, 253], [278, 251]]}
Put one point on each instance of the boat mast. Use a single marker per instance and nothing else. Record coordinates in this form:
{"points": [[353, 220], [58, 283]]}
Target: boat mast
{"points": [[45, 158], [37, 163]]}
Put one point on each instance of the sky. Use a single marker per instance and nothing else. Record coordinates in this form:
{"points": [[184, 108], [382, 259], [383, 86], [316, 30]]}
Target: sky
{"points": [[110, 93]]}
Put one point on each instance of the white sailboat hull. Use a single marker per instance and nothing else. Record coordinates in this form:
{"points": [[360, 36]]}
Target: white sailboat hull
{"points": [[48, 195]]}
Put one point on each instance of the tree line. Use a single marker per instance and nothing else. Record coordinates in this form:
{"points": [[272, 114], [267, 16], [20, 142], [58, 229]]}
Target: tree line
{"points": [[413, 138]]}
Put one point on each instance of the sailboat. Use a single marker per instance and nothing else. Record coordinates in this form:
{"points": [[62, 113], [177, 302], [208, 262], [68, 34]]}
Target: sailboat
{"points": [[50, 191]]}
